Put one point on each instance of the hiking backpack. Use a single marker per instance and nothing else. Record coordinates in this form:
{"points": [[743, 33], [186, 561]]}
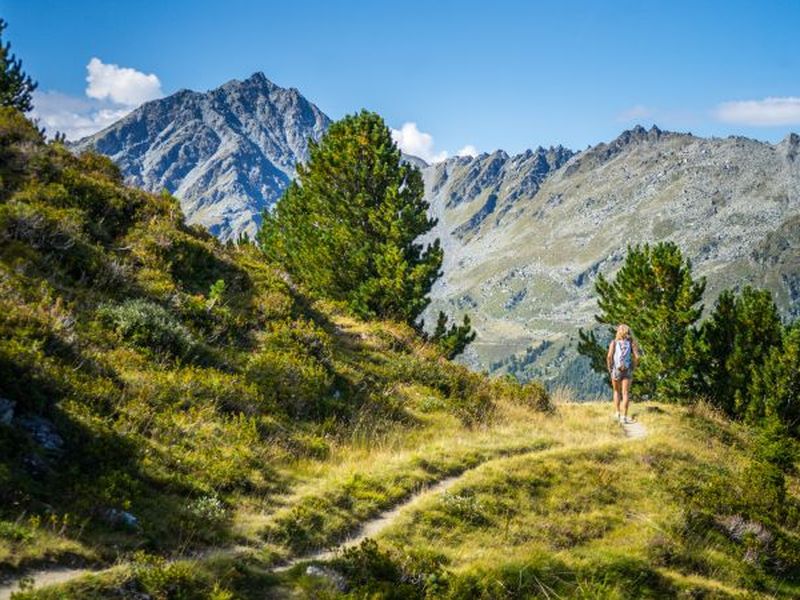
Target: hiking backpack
{"points": [[622, 355]]}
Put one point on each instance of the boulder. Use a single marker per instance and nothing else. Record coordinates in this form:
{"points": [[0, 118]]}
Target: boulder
{"points": [[6, 411], [120, 518], [337, 579], [43, 432]]}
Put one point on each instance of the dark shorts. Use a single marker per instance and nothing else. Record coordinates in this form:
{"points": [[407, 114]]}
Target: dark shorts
{"points": [[617, 376]]}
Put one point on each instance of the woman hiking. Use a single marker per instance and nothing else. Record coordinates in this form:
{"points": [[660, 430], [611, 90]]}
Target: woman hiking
{"points": [[622, 359]]}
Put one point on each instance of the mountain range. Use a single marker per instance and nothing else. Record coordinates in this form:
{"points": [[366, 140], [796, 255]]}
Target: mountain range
{"points": [[524, 236]]}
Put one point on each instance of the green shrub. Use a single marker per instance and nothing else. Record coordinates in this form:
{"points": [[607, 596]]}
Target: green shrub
{"points": [[293, 368], [298, 383], [532, 394], [375, 573], [108, 208], [165, 580], [206, 517], [471, 396], [15, 532], [775, 389], [207, 452], [465, 507], [193, 386], [20, 149], [148, 326]]}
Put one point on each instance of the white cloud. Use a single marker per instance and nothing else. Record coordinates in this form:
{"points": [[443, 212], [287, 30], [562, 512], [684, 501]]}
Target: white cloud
{"points": [[766, 112], [74, 117], [635, 113], [468, 150], [121, 85], [417, 143], [111, 93]]}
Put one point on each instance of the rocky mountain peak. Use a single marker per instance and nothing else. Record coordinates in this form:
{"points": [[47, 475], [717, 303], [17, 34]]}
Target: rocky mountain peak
{"points": [[227, 154], [604, 152], [790, 146], [636, 135], [256, 81]]}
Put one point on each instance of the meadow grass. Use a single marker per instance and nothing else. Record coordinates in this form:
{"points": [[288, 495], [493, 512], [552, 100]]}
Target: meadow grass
{"points": [[557, 505], [595, 515]]}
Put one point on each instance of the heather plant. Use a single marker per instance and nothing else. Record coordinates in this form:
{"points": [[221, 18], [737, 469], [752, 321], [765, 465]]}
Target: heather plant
{"points": [[148, 326]]}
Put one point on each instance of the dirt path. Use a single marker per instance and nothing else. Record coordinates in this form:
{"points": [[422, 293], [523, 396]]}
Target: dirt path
{"points": [[41, 578], [374, 526], [370, 528], [634, 430]]}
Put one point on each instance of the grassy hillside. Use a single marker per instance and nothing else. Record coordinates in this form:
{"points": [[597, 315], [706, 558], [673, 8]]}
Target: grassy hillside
{"points": [[162, 392]]}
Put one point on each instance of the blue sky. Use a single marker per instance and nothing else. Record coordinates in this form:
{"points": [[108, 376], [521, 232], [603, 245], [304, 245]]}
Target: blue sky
{"points": [[490, 75]]}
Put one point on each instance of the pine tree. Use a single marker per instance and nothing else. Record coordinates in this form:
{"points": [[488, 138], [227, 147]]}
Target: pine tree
{"points": [[347, 227], [441, 326], [775, 387], [734, 341], [654, 294], [16, 87], [452, 341]]}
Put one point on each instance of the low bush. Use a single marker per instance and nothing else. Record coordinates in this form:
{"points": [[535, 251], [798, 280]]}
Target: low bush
{"points": [[163, 580], [149, 326], [293, 368]]}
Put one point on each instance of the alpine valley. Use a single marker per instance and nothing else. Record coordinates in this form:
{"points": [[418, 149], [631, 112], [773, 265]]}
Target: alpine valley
{"points": [[524, 236]]}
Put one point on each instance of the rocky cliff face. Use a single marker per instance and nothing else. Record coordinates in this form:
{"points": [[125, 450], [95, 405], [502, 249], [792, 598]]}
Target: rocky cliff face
{"points": [[226, 154], [526, 236]]}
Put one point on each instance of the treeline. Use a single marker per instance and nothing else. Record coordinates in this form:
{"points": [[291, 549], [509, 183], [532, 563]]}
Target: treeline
{"points": [[741, 358]]}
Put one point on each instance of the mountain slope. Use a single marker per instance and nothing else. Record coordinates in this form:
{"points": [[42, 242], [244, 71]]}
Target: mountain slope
{"points": [[226, 154], [161, 391], [525, 273]]}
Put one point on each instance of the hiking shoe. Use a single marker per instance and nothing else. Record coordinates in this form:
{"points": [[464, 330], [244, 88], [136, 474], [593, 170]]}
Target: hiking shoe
{"points": [[626, 420]]}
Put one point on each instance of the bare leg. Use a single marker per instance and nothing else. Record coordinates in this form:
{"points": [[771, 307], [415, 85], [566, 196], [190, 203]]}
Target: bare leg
{"points": [[625, 384], [615, 387]]}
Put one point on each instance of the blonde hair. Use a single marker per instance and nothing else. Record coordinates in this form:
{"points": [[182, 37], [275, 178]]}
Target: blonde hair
{"points": [[623, 332]]}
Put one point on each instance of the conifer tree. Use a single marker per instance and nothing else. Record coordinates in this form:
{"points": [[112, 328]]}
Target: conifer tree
{"points": [[452, 341], [654, 294], [16, 87], [775, 387], [347, 227], [734, 341]]}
